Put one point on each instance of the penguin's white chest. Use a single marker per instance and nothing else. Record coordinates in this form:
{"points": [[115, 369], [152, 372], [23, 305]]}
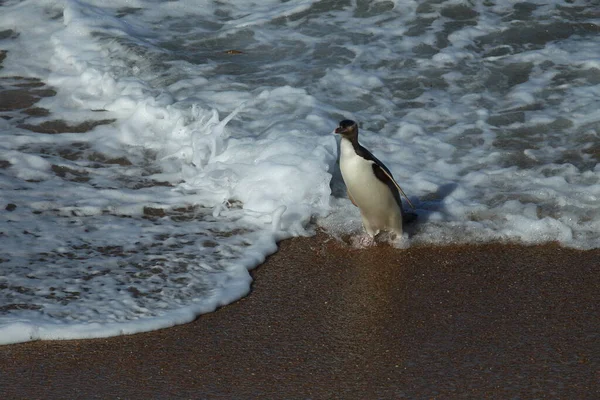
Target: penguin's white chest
{"points": [[378, 207]]}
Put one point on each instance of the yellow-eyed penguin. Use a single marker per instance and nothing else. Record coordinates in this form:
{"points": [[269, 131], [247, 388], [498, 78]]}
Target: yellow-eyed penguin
{"points": [[370, 184]]}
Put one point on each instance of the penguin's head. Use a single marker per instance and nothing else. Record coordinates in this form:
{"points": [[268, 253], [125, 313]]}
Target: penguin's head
{"points": [[348, 129]]}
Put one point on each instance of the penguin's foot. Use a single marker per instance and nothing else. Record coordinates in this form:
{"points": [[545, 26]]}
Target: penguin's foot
{"points": [[363, 241]]}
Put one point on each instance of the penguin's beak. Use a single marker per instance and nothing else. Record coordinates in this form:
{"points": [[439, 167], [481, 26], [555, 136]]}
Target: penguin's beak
{"points": [[339, 129]]}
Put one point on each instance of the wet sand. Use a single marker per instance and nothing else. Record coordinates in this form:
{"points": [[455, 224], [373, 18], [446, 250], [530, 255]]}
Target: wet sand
{"points": [[324, 321]]}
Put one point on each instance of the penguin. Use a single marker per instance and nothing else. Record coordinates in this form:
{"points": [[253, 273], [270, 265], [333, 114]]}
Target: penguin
{"points": [[370, 185]]}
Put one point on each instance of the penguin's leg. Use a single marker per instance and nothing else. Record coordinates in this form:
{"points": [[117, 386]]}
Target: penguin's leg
{"points": [[370, 229], [369, 238], [397, 228]]}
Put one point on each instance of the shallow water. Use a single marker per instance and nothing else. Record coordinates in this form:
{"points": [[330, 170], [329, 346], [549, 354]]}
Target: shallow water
{"points": [[155, 151]]}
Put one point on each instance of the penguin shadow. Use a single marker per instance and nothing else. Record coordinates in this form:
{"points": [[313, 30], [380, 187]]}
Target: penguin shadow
{"points": [[426, 206], [338, 187]]}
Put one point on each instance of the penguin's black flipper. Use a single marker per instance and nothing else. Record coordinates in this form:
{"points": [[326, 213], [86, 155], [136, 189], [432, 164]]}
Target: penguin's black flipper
{"points": [[385, 177]]}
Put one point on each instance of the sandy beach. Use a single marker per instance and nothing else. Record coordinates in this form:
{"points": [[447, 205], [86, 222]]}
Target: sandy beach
{"points": [[325, 321]]}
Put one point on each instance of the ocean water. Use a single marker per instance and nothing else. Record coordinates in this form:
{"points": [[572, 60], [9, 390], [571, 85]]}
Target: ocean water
{"points": [[152, 152]]}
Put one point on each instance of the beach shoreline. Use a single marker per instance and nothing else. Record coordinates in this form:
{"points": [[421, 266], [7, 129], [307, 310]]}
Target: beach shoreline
{"points": [[327, 321]]}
